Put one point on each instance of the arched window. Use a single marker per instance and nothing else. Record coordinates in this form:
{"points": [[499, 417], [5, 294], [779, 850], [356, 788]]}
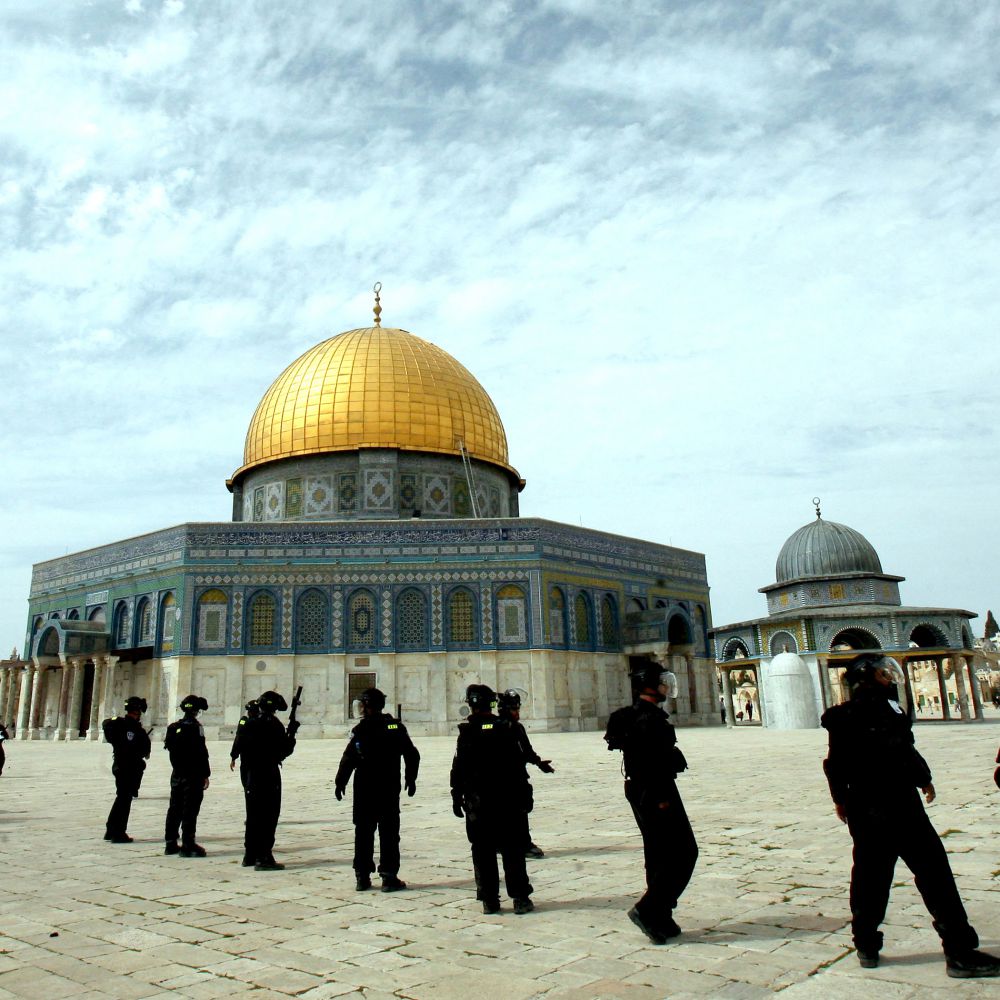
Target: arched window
{"points": [[581, 619], [311, 614], [361, 620], [54, 616], [145, 616], [123, 626], [262, 615], [212, 607], [783, 642], [853, 638], [97, 615], [73, 615], [633, 606], [609, 622], [557, 617], [461, 618], [512, 618], [168, 623], [411, 619]]}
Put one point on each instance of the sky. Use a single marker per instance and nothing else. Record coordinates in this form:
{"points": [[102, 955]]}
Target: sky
{"points": [[710, 259]]}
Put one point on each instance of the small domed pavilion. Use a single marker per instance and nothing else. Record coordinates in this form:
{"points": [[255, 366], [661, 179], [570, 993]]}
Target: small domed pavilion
{"points": [[830, 601]]}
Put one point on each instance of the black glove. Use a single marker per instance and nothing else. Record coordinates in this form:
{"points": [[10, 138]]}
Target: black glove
{"points": [[338, 792], [546, 767], [456, 808], [411, 788], [293, 727]]}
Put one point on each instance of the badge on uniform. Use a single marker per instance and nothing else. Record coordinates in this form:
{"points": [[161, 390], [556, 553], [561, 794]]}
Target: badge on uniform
{"points": [[130, 735], [489, 725], [392, 726]]}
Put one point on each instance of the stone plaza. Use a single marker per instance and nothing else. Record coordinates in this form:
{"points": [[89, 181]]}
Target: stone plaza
{"points": [[766, 912]]}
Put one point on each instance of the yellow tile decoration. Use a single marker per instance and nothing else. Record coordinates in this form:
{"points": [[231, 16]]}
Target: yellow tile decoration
{"points": [[376, 387]]}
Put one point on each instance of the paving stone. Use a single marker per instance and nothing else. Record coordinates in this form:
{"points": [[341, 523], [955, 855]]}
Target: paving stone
{"points": [[766, 911]]}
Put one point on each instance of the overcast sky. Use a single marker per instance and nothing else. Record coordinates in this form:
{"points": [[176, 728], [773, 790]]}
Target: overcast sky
{"points": [[709, 259]]}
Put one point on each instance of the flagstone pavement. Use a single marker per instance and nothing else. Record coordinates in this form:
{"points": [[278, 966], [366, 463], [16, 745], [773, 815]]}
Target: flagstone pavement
{"points": [[766, 911]]}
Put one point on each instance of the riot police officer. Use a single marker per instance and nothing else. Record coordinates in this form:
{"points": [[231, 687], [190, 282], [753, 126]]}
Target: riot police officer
{"points": [[263, 746], [185, 742], [651, 761], [130, 746], [252, 712], [488, 788], [373, 753], [510, 712], [874, 771]]}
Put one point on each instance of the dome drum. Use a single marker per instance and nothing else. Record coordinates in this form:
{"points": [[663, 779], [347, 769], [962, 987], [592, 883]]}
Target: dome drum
{"points": [[372, 483]]}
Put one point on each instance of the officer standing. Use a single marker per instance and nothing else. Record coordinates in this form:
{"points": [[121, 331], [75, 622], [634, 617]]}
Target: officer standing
{"points": [[510, 712], [252, 712], [874, 771], [4, 736], [130, 745], [488, 788], [185, 742], [263, 746], [373, 754], [651, 762]]}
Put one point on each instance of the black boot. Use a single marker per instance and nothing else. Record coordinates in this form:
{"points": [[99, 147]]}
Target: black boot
{"points": [[171, 847], [390, 883], [193, 851], [362, 881], [268, 864]]}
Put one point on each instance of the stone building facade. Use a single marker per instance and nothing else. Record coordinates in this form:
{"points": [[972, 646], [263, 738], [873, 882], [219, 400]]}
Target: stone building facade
{"points": [[375, 541]]}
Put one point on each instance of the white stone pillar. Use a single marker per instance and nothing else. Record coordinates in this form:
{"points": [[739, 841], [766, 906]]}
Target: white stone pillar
{"points": [[24, 707], [945, 704], [977, 700], [35, 704], [73, 706], [13, 689], [5, 674], [62, 707], [958, 672], [727, 696]]}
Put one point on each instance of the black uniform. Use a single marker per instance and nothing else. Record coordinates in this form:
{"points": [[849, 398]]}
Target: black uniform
{"points": [[874, 772], [4, 736], [185, 742], [263, 746], [373, 754], [489, 783], [528, 756], [130, 743], [651, 762]]}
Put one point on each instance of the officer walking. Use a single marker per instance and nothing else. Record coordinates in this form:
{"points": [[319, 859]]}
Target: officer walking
{"points": [[488, 788], [874, 770], [651, 762], [510, 713], [263, 746], [373, 753], [185, 742], [130, 745]]}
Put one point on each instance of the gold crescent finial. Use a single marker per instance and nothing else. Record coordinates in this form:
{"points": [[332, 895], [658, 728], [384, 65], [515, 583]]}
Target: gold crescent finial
{"points": [[816, 505], [376, 288]]}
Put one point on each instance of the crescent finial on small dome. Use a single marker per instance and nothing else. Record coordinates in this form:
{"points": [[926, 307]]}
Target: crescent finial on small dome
{"points": [[376, 288], [816, 505]]}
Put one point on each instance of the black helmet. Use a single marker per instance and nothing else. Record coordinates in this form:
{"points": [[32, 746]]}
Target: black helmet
{"points": [[480, 698], [509, 701], [271, 701], [194, 703], [252, 708], [373, 697], [648, 674], [135, 704], [861, 670]]}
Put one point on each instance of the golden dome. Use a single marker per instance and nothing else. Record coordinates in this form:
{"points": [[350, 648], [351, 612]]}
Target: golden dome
{"points": [[374, 388]]}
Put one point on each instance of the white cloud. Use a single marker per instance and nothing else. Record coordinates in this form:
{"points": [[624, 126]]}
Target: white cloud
{"points": [[709, 261]]}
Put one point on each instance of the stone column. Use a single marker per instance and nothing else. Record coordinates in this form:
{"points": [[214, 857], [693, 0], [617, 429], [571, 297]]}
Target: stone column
{"points": [[727, 696], [825, 687], [65, 677], [103, 671], [72, 731], [945, 705], [958, 672], [24, 707], [977, 700], [13, 688], [35, 706], [5, 674]]}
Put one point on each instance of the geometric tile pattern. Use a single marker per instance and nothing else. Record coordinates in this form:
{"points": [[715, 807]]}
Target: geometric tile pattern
{"points": [[437, 618], [237, 635], [386, 618], [436, 494], [486, 607], [378, 489], [274, 501], [319, 495], [338, 618], [347, 493], [286, 617], [293, 498]]}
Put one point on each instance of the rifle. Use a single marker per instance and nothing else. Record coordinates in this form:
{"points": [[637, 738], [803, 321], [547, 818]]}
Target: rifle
{"points": [[293, 723]]}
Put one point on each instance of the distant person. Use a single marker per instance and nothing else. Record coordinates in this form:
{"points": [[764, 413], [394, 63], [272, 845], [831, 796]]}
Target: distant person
{"points": [[185, 742], [130, 745], [749, 710], [4, 736], [374, 750], [874, 771], [996, 773]]}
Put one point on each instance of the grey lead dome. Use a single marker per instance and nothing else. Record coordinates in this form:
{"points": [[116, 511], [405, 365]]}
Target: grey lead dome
{"points": [[825, 548]]}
